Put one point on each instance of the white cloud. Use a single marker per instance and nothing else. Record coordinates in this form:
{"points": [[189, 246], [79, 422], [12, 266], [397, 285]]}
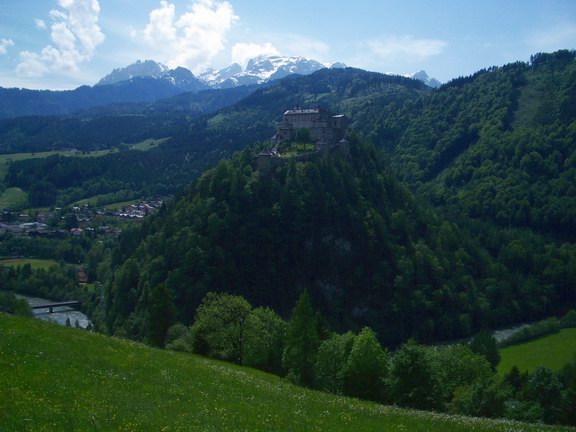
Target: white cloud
{"points": [[192, 39], [560, 37], [296, 45], [40, 24], [5, 44], [161, 26], [407, 48], [74, 33], [242, 52]]}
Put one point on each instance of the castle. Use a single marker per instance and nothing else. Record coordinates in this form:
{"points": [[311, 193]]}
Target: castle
{"points": [[324, 127], [327, 132]]}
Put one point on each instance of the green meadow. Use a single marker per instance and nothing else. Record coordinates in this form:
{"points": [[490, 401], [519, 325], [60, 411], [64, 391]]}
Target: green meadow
{"points": [[63, 379], [552, 351], [13, 198]]}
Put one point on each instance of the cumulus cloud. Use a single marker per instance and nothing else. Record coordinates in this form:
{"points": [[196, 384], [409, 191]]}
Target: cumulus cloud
{"points": [[40, 24], [406, 47], [242, 52], [5, 44], [192, 39], [74, 34]]}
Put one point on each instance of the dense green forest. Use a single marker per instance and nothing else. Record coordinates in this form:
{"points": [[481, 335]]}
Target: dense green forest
{"points": [[499, 146], [348, 231]]}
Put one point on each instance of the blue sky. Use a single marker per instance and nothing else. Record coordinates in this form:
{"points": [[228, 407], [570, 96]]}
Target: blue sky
{"points": [[61, 44]]}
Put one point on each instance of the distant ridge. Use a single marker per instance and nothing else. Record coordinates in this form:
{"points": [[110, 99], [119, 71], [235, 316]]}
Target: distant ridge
{"points": [[181, 78]]}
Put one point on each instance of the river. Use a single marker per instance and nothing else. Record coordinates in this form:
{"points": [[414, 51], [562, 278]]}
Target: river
{"points": [[60, 314]]}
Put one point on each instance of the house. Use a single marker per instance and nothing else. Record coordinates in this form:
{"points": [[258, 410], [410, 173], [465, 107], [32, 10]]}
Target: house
{"points": [[82, 277]]}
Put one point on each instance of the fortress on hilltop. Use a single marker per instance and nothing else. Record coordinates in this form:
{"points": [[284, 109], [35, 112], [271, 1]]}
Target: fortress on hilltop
{"points": [[325, 131], [324, 126]]}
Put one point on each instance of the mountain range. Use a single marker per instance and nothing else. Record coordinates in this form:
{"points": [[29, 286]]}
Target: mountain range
{"points": [[148, 81]]}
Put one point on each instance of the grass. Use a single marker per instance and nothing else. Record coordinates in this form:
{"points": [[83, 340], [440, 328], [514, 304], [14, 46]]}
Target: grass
{"points": [[35, 263], [93, 201], [13, 198], [148, 144], [121, 204], [62, 379], [552, 351]]}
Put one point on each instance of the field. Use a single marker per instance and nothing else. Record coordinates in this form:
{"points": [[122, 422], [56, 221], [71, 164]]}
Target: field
{"points": [[61, 379], [147, 144], [35, 263], [13, 198], [552, 351]]}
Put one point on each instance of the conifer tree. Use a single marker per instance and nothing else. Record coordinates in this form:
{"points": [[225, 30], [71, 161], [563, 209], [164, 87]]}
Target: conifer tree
{"points": [[161, 314], [302, 342], [485, 345]]}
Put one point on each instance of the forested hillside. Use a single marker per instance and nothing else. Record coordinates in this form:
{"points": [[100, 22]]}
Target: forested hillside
{"points": [[15, 102], [499, 146], [345, 229]]}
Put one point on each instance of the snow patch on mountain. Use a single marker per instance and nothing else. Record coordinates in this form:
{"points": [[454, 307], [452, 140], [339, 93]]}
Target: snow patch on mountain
{"points": [[259, 70]]}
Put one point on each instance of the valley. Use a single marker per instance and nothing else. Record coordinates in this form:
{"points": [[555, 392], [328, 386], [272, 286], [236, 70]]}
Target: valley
{"points": [[220, 220]]}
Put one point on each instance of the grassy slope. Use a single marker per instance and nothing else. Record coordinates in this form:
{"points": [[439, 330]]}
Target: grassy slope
{"points": [[13, 198], [35, 263], [61, 379], [552, 351]]}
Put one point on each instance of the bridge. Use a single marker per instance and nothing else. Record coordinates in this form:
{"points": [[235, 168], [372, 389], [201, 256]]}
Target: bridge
{"points": [[51, 306]]}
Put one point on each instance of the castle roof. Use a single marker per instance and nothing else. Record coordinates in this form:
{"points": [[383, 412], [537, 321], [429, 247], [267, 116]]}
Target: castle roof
{"points": [[302, 111]]}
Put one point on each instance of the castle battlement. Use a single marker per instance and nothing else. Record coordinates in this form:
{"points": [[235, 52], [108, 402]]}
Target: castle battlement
{"points": [[323, 126], [327, 132]]}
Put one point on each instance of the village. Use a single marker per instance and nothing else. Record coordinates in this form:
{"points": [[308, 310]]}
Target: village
{"points": [[76, 221]]}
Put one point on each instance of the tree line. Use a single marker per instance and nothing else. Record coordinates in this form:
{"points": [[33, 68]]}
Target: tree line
{"points": [[458, 379]]}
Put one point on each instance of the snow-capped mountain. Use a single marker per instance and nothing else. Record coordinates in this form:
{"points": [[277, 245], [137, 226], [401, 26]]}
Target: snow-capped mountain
{"points": [[181, 78], [423, 76], [259, 70], [147, 68], [222, 78]]}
